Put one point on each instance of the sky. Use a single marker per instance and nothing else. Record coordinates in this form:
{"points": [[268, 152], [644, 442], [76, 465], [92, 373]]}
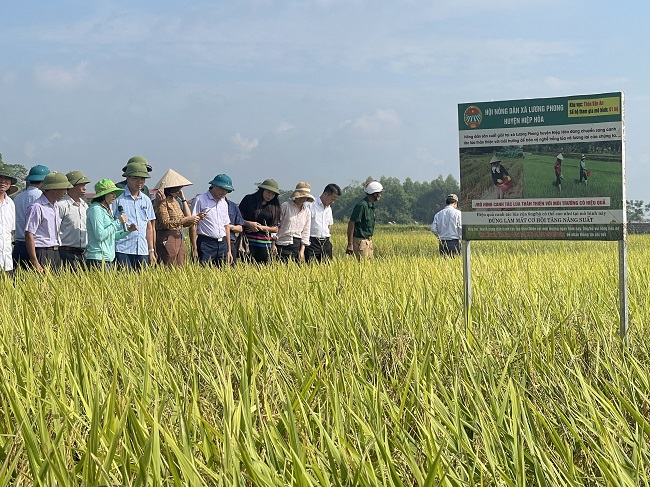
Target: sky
{"points": [[308, 90]]}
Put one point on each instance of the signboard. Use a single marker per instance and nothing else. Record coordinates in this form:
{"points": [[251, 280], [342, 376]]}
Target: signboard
{"points": [[545, 168]]}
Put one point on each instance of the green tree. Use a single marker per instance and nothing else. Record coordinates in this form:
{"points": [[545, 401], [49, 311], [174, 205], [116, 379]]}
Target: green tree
{"points": [[19, 171], [637, 211]]}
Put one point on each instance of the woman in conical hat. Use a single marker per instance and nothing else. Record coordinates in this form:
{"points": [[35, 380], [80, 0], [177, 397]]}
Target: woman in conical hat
{"points": [[172, 214]]}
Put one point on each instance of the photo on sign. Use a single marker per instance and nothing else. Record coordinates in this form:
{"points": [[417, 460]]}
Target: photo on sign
{"points": [[575, 170]]}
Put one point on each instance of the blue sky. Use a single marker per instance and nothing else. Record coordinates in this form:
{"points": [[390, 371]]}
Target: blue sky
{"points": [[318, 91]]}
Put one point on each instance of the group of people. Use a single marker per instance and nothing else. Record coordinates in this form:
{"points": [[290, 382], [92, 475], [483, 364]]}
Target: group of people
{"points": [[54, 226]]}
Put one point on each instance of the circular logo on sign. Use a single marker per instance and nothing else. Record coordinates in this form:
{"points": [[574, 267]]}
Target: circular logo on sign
{"points": [[473, 116]]}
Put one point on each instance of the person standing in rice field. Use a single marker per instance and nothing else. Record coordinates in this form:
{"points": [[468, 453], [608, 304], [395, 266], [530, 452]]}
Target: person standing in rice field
{"points": [[103, 228], [43, 224], [72, 209], [138, 248], [361, 226], [558, 171], [500, 177], [172, 214], [295, 223], [24, 200], [583, 169], [448, 228], [320, 247], [261, 214], [7, 218], [211, 236]]}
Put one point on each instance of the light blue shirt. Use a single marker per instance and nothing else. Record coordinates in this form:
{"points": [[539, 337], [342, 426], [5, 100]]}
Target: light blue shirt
{"points": [[23, 201], [138, 210]]}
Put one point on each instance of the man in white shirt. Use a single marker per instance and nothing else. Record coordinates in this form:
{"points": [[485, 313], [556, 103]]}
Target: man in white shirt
{"points": [[320, 247], [211, 236], [72, 209], [448, 228], [7, 217]]}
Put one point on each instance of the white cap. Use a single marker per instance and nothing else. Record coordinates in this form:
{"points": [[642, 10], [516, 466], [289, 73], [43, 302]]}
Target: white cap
{"points": [[373, 187]]}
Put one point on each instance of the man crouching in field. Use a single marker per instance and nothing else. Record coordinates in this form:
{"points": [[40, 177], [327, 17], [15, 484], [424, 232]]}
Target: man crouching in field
{"points": [[361, 226]]}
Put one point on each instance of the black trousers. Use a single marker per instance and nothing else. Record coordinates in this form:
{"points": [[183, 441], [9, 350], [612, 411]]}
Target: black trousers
{"points": [[48, 257], [319, 249], [290, 252], [19, 255], [449, 248]]}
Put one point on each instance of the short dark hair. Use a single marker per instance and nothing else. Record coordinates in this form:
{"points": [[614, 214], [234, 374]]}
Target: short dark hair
{"points": [[451, 200], [332, 188]]}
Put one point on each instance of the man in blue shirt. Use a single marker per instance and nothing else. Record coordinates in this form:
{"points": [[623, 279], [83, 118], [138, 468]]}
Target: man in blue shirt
{"points": [[22, 202], [138, 248]]}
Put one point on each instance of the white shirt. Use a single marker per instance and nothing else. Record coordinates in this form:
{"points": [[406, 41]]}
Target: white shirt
{"points": [[447, 224], [216, 218], [73, 222], [23, 201], [7, 225], [294, 222], [321, 219]]}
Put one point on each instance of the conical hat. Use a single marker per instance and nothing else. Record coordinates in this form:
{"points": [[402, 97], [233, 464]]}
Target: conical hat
{"points": [[171, 179]]}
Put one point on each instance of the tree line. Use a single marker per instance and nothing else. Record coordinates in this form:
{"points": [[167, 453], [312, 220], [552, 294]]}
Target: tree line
{"points": [[408, 202]]}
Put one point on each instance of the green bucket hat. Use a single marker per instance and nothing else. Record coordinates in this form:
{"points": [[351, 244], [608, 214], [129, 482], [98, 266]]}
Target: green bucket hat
{"points": [[77, 177], [271, 185], [55, 180], [106, 186], [136, 169], [223, 181], [138, 160], [8, 173], [37, 173]]}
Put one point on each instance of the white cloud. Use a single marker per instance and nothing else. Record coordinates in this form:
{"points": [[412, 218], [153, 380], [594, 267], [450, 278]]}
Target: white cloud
{"points": [[381, 122], [60, 78], [244, 145], [51, 138], [284, 127]]}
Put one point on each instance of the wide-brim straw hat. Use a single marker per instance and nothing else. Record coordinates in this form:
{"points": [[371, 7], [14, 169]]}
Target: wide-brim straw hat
{"points": [[271, 185], [171, 179], [106, 186], [494, 160], [303, 190]]}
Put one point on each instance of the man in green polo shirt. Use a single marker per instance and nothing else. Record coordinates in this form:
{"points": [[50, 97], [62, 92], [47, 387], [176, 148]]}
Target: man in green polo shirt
{"points": [[362, 222]]}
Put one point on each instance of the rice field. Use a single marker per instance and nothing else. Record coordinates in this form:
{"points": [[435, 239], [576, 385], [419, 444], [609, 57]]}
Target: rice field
{"points": [[342, 374]]}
